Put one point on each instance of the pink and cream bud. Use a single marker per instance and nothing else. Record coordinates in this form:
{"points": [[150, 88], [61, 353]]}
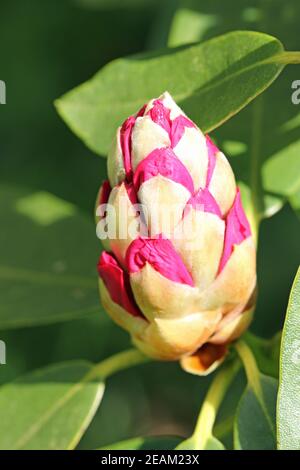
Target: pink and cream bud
{"points": [[179, 273]]}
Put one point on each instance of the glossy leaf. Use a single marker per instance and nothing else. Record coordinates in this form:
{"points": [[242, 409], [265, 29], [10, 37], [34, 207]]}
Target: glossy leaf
{"points": [[197, 76], [288, 407], [48, 409], [145, 443], [255, 421], [48, 256]]}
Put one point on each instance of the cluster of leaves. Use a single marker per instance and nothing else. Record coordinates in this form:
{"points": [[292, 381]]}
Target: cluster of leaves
{"points": [[51, 408]]}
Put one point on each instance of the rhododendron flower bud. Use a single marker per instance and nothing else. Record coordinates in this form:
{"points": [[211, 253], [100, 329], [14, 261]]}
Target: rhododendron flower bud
{"points": [[179, 270]]}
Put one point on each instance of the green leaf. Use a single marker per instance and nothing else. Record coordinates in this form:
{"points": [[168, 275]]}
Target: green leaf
{"points": [[281, 172], [255, 421], [212, 443], [49, 408], [197, 76], [288, 406], [145, 443], [48, 256]]}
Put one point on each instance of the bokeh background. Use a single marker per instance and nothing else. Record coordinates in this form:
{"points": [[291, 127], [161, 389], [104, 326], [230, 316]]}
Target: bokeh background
{"points": [[46, 49]]}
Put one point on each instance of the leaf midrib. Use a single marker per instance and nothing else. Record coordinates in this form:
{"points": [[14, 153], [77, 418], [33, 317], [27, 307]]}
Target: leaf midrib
{"points": [[34, 429], [262, 403]]}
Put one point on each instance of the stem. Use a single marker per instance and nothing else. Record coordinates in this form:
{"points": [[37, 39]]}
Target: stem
{"points": [[288, 57], [250, 366], [115, 363], [212, 402]]}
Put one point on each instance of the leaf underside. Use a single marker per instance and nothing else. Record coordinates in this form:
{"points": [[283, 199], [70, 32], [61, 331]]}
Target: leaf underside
{"points": [[288, 405]]}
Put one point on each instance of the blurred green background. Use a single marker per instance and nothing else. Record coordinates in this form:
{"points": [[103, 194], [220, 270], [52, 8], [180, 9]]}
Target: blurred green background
{"points": [[46, 49]]}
